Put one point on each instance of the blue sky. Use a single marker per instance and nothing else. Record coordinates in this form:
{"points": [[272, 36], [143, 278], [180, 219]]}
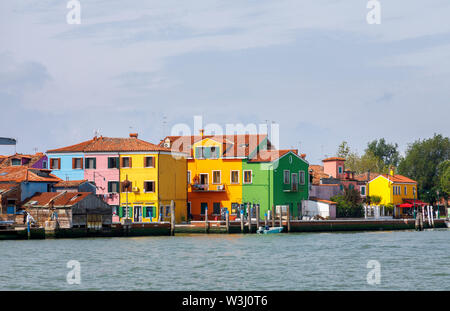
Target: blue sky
{"points": [[314, 67]]}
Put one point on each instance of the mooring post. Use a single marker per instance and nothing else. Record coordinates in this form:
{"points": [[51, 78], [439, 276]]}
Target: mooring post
{"points": [[289, 217], [172, 218], [206, 220], [257, 216], [242, 220], [249, 217], [265, 219], [281, 216], [273, 215], [227, 221]]}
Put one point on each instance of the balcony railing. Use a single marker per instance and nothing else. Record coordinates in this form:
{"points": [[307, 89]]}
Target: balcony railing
{"points": [[206, 187]]}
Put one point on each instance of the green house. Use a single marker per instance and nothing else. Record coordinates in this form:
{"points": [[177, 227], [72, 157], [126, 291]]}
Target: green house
{"points": [[276, 178]]}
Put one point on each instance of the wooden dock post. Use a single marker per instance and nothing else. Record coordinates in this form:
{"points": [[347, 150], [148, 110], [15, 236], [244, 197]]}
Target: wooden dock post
{"points": [[257, 216], [242, 221], [265, 219], [249, 217], [273, 215], [289, 218], [227, 221], [172, 218], [206, 221], [281, 219]]}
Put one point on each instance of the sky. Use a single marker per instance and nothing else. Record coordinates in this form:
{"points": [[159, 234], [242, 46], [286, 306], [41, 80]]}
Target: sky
{"points": [[316, 68]]}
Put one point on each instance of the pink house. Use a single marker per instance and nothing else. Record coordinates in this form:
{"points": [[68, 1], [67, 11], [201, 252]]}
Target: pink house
{"points": [[103, 170], [335, 167]]}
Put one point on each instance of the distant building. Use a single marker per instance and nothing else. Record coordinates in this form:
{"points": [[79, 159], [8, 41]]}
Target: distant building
{"points": [[72, 209], [75, 186], [38, 160]]}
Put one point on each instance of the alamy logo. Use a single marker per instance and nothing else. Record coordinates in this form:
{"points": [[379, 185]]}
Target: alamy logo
{"points": [[74, 15], [374, 275], [74, 275], [374, 15]]}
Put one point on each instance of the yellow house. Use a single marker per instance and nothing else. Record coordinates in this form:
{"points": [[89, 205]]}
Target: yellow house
{"points": [[156, 176], [214, 171], [393, 188]]}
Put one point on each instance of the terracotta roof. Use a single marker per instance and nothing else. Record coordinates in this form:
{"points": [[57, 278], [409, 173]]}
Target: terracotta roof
{"points": [[233, 145], [22, 173], [271, 155], [106, 144], [70, 183], [399, 178], [60, 199], [333, 159], [321, 200], [317, 173], [363, 177], [5, 161], [7, 187]]}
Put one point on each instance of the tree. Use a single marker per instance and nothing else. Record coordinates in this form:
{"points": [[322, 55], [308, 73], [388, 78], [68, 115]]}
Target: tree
{"points": [[422, 163], [444, 179], [348, 204], [387, 153], [343, 150]]}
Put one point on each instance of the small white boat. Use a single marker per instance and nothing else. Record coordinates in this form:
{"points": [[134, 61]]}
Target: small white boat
{"points": [[447, 223], [267, 230]]}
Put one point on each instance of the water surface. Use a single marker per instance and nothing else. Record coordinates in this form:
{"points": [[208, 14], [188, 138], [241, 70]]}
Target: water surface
{"points": [[409, 260]]}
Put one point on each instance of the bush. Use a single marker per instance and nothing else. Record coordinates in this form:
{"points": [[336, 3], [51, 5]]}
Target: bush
{"points": [[349, 204]]}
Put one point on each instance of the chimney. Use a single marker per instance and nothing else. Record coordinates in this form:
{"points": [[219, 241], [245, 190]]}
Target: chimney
{"points": [[134, 135], [201, 132], [391, 171], [303, 156]]}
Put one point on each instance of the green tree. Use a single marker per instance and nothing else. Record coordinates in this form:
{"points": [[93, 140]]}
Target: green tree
{"points": [[343, 150], [422, 163], [388, 153], [444, 179], [348, 204]]}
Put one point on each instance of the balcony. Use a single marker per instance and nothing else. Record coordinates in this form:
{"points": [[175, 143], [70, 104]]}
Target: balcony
{"points": [[207, 188], [290, 187]]}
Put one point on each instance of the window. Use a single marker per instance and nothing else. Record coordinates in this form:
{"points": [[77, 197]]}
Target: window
{"points": [[234, 177], [216, 208], [294, 184], [126, 162], [188, 177], [351, 187], [77, 163], [203, 208], [167, 210], [149, 161], [199, 152], [148, 212], [302, 177], [203, 179], [149, 186], [214, 152], [247, 177], [405, 191], [44, 164], [216, 177], [340, 169], [286, 176], [113, 186], [113, 162], [15, 162], [55, 164], [363, 190], [91, 163]]}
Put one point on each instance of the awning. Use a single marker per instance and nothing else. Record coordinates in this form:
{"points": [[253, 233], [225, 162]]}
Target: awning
{"points": [[415, 202], [404, 205]]}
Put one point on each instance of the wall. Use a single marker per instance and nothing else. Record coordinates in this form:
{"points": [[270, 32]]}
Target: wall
{"points": [[28, 189], [324, 192], [313, 208], [102, 174], [67, 172]]}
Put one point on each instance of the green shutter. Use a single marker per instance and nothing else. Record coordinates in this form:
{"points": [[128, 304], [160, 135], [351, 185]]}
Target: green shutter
{"points": [[207, 151], [144, 211], [120, 211], [95, 163], [130, 212]]}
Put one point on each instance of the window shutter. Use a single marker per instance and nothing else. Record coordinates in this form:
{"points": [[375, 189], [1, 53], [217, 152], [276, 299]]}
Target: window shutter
{"points": [[130, 162], [59, 163], [109, 186], [130, 211], [120, 211], [144, 211], [95, 163], [73, 163]]}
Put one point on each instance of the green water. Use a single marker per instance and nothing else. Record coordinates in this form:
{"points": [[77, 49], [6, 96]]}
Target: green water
{"points": [[409, 260]]}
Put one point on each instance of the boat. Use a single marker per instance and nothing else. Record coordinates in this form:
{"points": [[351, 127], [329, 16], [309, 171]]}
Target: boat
{"points": [[267, 230], [447, 223]]}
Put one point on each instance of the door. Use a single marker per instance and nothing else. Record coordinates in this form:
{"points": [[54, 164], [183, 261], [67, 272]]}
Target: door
{"points": [[137, 214], [203, 207], [188, 212]]}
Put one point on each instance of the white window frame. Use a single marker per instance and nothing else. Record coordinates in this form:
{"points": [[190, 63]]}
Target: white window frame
{"points": [[188, 177], [292, 180], [220, 177], [154, 186], [251, 177], [200, 178], [231, 177], [284, 177]]}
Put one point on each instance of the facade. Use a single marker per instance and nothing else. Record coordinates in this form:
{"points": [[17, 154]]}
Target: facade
{"points": [[74, 186], [156, 175], [214, 170], [277, 178]]}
